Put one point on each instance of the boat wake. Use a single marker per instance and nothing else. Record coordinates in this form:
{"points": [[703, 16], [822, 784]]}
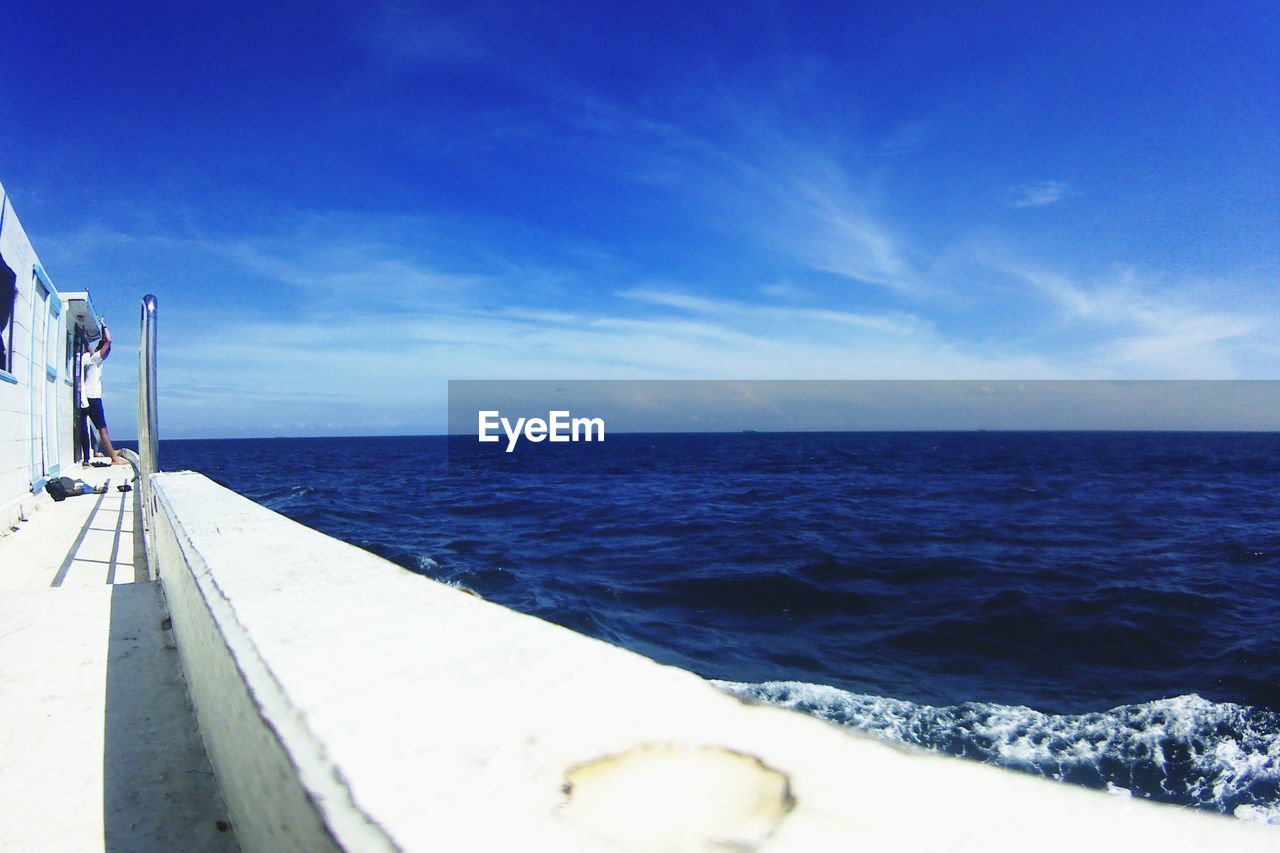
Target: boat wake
{"points": [[1185, 750]]}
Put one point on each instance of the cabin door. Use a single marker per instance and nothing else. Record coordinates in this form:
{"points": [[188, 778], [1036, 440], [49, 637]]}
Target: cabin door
{"points": [[79, 435], [36, 379], [43, 375], [52, 337]]}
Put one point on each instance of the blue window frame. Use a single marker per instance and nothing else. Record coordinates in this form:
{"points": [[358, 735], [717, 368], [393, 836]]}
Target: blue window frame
{"points": [[51, 336], [8, 298], [8, 301]]}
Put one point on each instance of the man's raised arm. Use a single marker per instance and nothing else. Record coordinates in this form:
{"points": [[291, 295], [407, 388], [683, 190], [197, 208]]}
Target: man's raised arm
{"points": [[104, 345]]}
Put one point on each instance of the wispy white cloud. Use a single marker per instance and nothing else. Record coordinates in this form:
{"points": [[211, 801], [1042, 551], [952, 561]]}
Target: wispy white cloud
{"points": [[780, 289], [908, 137], [837, 234], [896, 323], [338, 270], [384, 315], [1139, 327], [773, 190], [340, 347], [805, 205], [397, 33], [1038, 194], [390, 366]]}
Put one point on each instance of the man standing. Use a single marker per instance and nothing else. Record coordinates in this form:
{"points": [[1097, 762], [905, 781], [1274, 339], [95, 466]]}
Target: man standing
{"points": [[91, 390]]}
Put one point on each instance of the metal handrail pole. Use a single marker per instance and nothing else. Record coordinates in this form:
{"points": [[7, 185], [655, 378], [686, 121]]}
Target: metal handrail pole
{"points": [[148, 429]]}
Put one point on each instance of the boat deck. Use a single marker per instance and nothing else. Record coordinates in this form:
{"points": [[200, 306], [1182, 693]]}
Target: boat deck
{"points": [[99, 749]]}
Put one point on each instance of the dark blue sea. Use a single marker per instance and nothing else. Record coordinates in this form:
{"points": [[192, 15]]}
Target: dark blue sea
{"points": [[1099, 608]]}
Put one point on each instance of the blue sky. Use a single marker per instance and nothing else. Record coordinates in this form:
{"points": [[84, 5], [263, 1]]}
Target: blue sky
{"points": [[341, 206]]}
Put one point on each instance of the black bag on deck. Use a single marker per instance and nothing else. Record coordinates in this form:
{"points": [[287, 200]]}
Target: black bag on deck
{"points": [[56, 489]]}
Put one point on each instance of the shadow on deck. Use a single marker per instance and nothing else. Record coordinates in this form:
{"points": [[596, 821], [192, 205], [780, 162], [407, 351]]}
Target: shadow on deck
{"points": [[118, 507], [158, 791], [101, 747]]}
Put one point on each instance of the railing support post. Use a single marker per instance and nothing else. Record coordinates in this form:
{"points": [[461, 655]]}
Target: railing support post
{"points": [[148, 429], [148, 438]]}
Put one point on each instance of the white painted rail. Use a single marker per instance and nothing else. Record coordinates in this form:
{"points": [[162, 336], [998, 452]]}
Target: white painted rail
{"points": [[347, 703]]}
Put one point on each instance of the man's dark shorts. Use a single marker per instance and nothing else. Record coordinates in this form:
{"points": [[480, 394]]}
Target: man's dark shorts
{"points": [[95, 414]]}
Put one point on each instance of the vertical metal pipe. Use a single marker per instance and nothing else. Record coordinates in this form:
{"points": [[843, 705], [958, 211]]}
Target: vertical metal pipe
{"points": [[148, 431]]}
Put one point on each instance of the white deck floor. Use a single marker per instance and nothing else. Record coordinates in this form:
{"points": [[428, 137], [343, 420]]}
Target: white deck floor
{"points": [[98, 746]]}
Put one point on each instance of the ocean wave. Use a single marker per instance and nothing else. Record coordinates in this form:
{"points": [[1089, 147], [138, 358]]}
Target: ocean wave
{"points": [[1185, 750]]}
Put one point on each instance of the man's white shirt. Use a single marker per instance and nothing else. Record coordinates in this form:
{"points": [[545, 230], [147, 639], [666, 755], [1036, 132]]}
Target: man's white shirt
{"points": [[90, 378]]}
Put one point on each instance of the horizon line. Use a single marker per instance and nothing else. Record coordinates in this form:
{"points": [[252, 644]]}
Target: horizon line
{"points": [[1223, 430]]}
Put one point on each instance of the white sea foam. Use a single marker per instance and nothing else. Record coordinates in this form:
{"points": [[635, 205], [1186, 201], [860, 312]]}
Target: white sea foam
{"points": [[1185, 749], [1259, 814]]}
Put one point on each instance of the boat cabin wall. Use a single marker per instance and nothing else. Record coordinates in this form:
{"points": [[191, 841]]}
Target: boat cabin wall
{"points": [[36, 388]]}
